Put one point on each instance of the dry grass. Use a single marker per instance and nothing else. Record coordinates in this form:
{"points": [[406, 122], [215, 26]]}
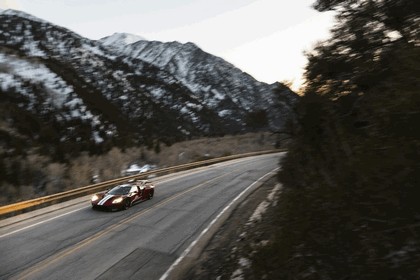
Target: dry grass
{"points": [[44, 177], [199, 149]]}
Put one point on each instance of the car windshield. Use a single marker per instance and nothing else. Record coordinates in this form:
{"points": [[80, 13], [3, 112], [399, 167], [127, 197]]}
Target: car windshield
{"points": [[120, 190]]}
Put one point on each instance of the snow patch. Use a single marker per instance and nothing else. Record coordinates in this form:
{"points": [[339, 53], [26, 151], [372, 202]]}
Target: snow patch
{"points": [[224, 113], [98, 139], [74, 103], [192, 87], [157, 93], [237, 275], [97, 51], [7, 81], [56, 88], [120, 39], [32, 49], [244, 262], [194, 106], [262, 207], [218, 95], [14, 72], [274, 192]]}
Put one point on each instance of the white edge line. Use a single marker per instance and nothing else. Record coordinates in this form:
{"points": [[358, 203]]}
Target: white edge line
{"points": [[174, 176], [53, 218], [50, 219], [189, 248]]}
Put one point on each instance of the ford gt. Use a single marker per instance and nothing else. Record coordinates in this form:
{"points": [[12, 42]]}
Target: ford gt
{"points": [[123, 196]]}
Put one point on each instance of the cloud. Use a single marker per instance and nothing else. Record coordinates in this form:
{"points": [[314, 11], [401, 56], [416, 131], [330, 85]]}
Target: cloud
{"points": [[10, 4], [279, 56]]}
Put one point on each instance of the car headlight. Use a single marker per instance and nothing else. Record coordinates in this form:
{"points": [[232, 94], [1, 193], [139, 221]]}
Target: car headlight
{"points": [[117, 200], [95, 197]]}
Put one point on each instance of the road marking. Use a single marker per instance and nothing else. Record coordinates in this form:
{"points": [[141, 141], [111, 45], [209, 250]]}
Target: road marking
{"points": [[59, 216], [56, 257], [199, 170], [44, 221], [189, 248], [164, 181]]}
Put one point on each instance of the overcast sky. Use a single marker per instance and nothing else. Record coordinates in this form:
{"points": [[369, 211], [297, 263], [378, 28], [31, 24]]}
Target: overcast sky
{"points": [[265, 38]]}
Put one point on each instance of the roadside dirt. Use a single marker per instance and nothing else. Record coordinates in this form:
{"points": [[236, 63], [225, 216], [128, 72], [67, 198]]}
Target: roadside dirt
{"points": [[227, 255]]}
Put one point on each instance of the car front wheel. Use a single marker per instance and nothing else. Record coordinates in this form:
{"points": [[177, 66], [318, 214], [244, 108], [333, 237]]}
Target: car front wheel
{"points": [[127, 204]]}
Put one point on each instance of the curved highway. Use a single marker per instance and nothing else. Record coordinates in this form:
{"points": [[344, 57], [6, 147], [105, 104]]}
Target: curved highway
{"points": [[72, 241]]}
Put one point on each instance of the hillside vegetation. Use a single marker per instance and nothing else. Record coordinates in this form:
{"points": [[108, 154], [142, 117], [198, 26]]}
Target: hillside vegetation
{"points": [[72, 108], [32, 175], [350, 206]]}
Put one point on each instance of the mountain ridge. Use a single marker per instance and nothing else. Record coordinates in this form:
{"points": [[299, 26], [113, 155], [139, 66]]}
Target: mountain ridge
{"points": [[184, 61], [50, 74]]}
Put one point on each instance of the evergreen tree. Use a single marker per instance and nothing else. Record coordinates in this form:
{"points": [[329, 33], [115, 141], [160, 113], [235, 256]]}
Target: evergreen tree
{"points": [[350, 206]]}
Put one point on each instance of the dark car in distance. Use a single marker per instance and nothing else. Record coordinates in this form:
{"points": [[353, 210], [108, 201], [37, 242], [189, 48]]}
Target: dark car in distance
{"points": [[123, 196]]}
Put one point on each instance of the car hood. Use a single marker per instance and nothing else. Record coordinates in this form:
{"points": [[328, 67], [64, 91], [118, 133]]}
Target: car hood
{"points": [[106, 199]]}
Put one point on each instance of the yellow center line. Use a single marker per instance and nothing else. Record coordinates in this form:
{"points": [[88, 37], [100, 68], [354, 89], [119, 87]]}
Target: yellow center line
{"points": [[56, 257]]}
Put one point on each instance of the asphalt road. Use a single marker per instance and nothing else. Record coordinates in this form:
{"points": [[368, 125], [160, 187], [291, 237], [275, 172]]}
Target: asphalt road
{"points": [[72, 241]]}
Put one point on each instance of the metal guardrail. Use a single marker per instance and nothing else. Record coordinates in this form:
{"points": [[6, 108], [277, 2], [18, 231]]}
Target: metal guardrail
{"points": [[32, 204]]}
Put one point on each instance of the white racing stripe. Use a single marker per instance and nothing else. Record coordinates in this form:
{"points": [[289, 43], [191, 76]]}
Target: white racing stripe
{"points": [[103, 200], [59, 216]]}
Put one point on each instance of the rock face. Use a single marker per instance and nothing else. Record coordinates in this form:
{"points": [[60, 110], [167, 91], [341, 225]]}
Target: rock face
{"points": [[58, 87], [215, 82]]}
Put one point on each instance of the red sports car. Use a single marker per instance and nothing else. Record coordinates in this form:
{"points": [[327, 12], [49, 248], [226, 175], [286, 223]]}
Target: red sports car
{"points": [[123, 196]]}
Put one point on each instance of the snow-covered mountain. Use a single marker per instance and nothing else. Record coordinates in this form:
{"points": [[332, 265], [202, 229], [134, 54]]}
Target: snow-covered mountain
{"points": [[120, 40], [66, 93], [215, 82]]}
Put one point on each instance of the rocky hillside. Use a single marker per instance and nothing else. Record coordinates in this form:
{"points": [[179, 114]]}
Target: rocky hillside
{"points": [[215, 82], [64, 93]]}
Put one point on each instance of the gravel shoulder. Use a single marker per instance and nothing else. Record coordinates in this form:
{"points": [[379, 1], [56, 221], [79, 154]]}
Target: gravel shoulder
{"points": [[228, 253]]}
